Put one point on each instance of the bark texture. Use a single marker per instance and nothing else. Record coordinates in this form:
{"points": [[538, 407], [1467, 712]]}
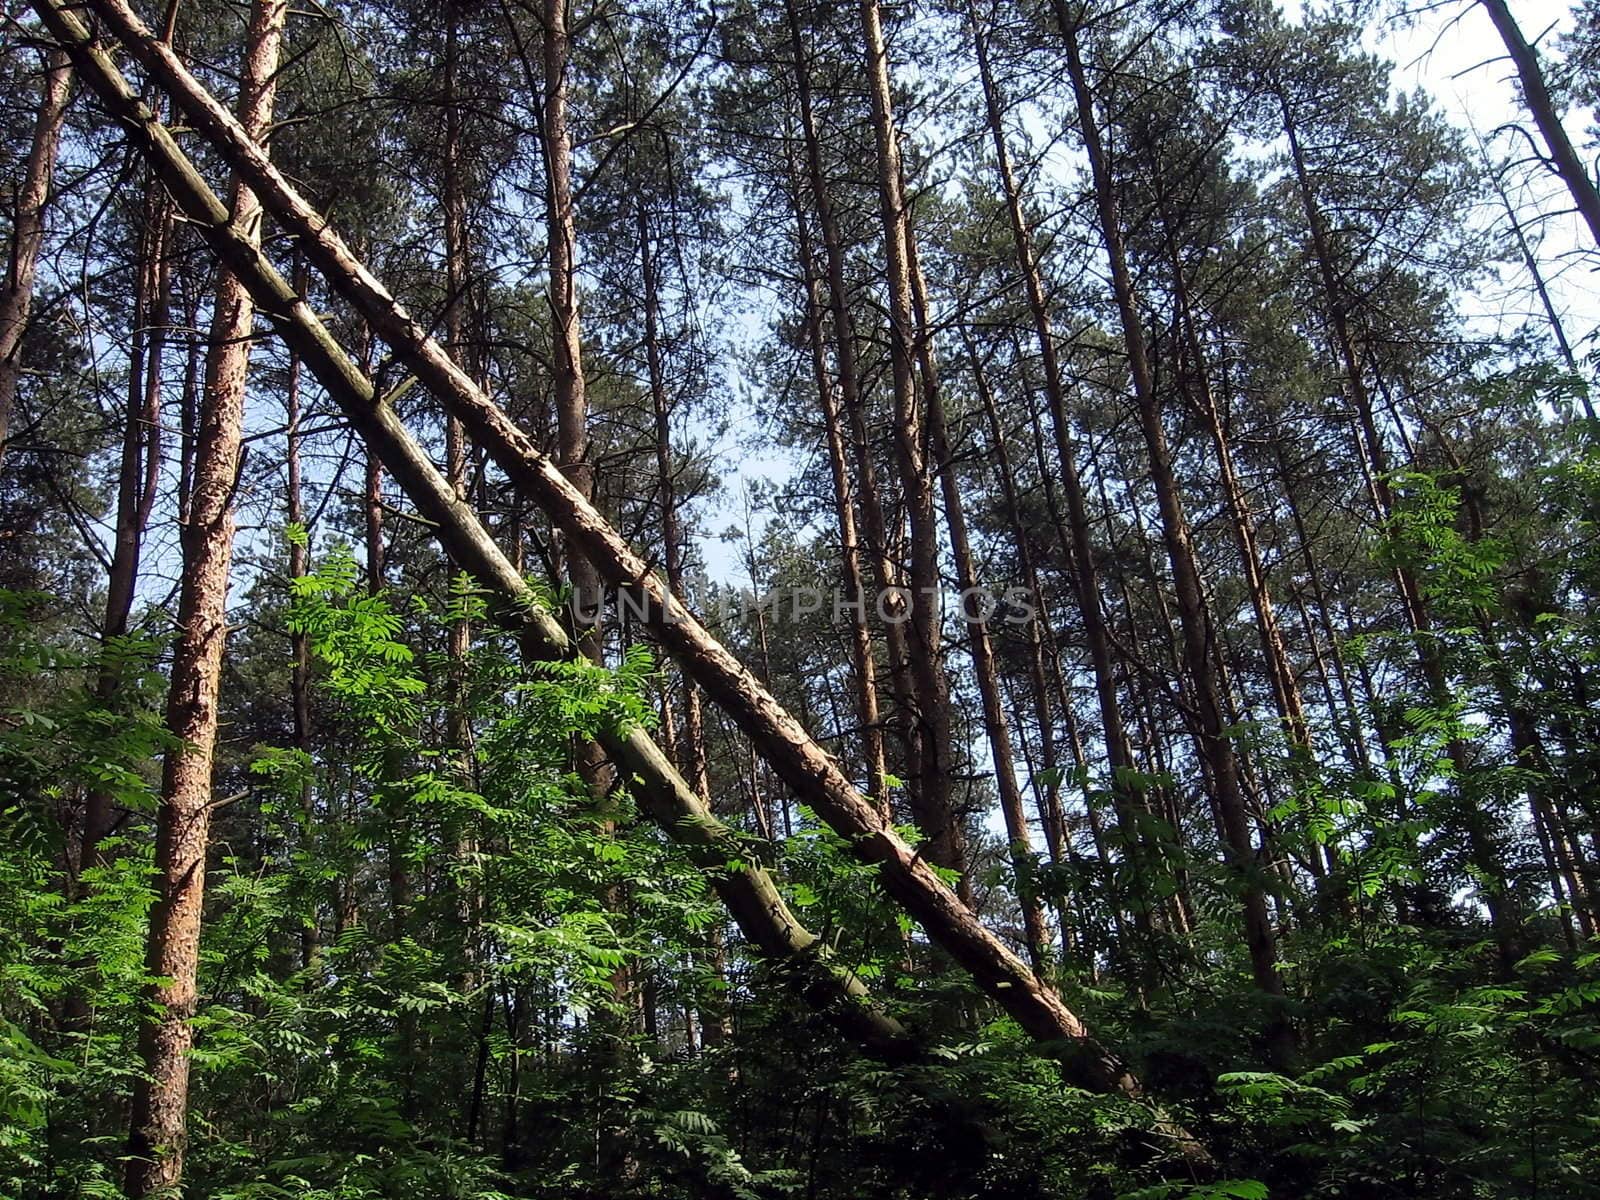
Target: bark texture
{"points": [[157, 1133]]}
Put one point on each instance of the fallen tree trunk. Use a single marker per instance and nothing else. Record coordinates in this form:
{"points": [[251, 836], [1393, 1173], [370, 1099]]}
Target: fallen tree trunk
{"points": [[803, 765], [744, 886]]}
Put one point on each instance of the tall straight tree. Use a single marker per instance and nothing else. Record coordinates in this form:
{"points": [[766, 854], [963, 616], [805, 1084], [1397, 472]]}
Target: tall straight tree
{"points": [[930, 694], [158, 1131]]}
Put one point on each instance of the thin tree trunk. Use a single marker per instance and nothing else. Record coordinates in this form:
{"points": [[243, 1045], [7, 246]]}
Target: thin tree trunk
{"points": [[1356, 725], [1286, 696], [855, 593], [875, 526], [692, 740], [995, 723], [1531, 262], [299, 640], [27, 231], [1563, 156], [934, 811], [571, 395], [137, 469], [1047, 780], [458, 281], [158, 1133], [372, 504]]}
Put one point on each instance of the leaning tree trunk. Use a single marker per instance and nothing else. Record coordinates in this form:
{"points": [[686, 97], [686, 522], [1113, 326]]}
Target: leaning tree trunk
{"points": [[161, 1092], [27, 232], [743, 884]]}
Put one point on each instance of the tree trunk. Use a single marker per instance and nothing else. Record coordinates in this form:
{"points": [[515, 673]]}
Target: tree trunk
{"points": [[137, 469], [692, 739], [1536, 96], [995, 722], [855, 593], [299, 640], [1046, 780], [875, 528], [931, 794], [1286, 696], [1558, 329], [571, 397], [27, 232], [161, 1093], [691, 742]]}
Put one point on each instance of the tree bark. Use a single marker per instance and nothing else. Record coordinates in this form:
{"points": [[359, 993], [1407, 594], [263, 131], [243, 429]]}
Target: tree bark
{"points": [[571, 396], [692, 739], [1285, 688], [299, 640], [1046, 780], [691, 742], [157, 1134]]}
